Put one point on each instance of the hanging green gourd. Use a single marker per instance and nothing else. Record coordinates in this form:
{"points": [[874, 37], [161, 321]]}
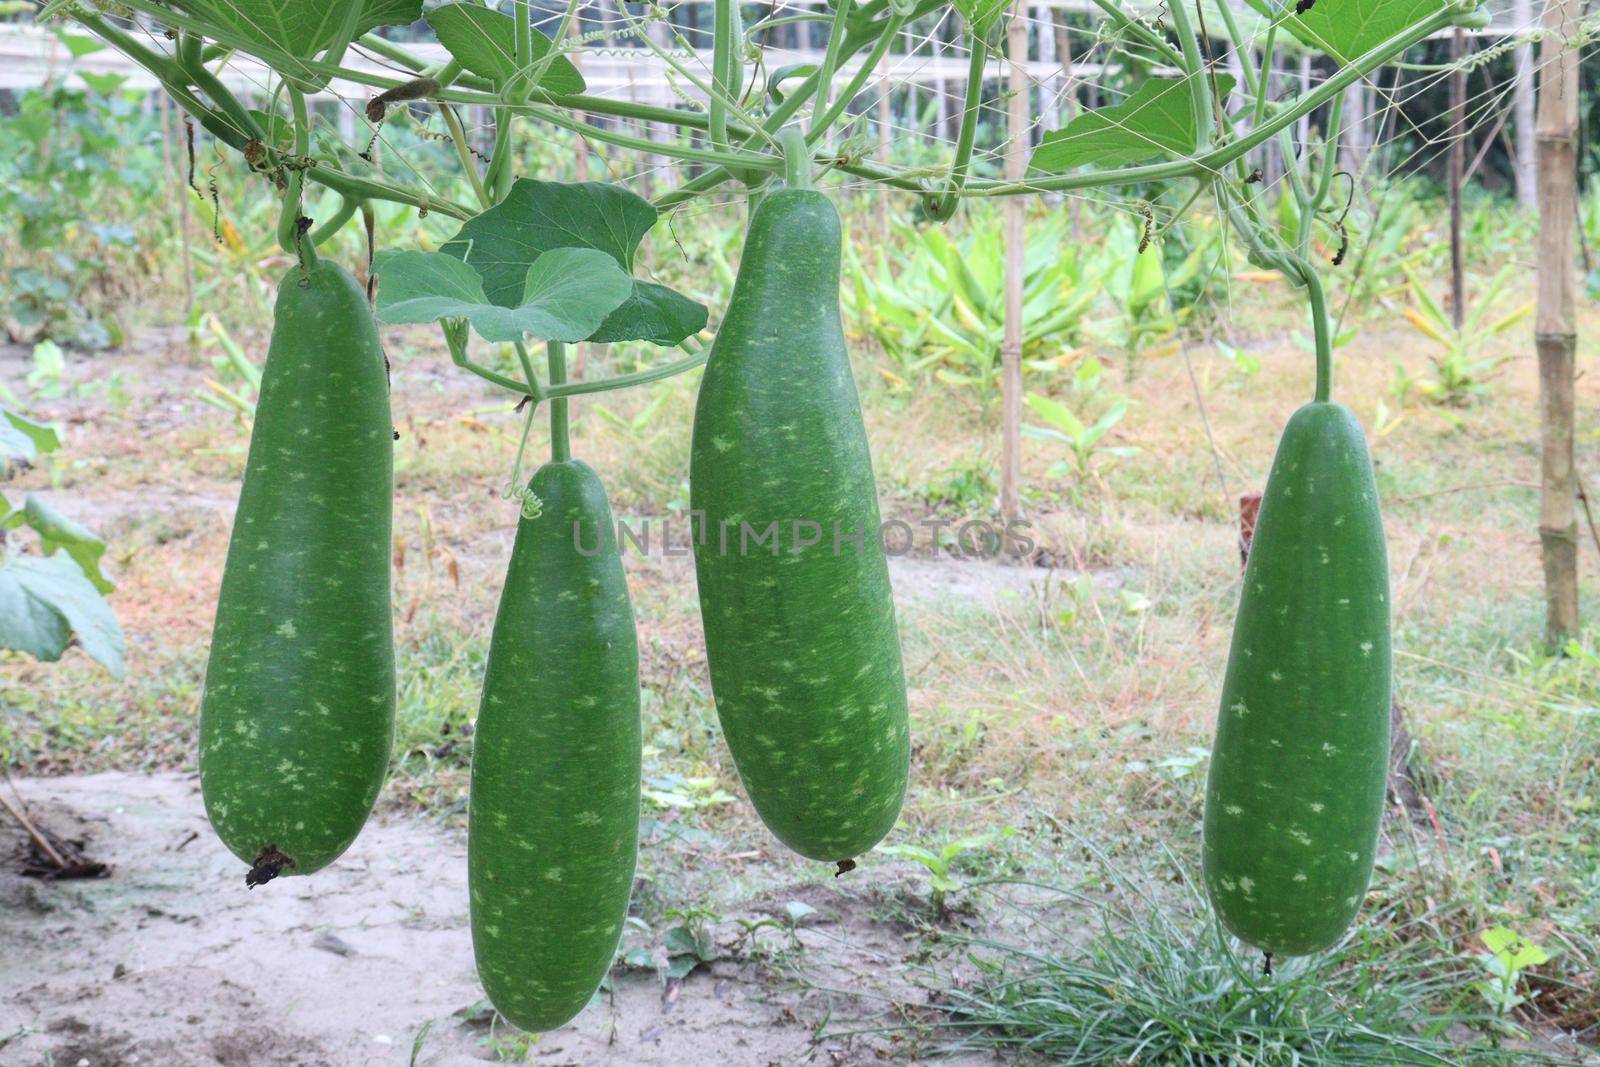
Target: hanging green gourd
{"points": [[1297, 777], [794, 584]]}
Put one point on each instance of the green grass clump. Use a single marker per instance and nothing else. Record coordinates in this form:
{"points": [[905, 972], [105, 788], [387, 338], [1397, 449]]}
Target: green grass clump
{"points": [[1159, 983]]}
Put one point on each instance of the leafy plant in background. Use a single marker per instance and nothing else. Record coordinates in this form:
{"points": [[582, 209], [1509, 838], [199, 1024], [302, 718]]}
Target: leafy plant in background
{"points": [[1389, 238], [684, 794], [69, 147], [940, 862], [1082, 440], [946, 309], [1462, 370], [53, 598], [1241, 362], [1508, 957], [237, 379], [1142, 286], [689, 944], [49, 365]]}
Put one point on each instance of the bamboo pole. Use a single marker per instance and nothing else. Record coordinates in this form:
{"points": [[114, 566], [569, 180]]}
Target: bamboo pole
{"points": [[1556, 327], [1016, 237], [1525, 107], [1458, 157]]}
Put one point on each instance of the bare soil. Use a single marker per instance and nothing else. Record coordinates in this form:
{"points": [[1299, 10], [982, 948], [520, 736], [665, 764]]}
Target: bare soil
{"points": [[170, 961]]}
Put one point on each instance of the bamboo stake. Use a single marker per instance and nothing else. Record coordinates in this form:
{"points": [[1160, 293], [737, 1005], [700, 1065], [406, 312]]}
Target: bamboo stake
{"points": [[1556, 327], [1458, 155], [1016, 237], [1525, 106]]}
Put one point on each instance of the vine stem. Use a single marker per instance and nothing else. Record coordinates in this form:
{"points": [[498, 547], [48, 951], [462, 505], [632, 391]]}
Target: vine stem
{"points": [[1321, 331], [458, 135], [1221, 156], [722, 58], [231, 132], [348, 206], [1194, 68], [796, 158], [455, 338], [944, 205], [830, 62], [623, 381], [560, 444], [863, 73], [289, 236], [1297, 269]]}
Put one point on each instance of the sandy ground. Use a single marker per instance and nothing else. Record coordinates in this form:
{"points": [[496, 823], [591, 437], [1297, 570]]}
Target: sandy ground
{"points": [[170, 961]]}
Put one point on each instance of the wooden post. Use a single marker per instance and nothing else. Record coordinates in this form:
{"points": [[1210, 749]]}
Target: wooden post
{"points": [[1556, 326], [1458, 163], [1525, 124], [1016, 238]]}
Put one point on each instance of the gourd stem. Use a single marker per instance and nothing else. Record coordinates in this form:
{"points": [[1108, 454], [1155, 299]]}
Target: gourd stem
{"points": [[1242, 214], [289, 236], [1321, 328], [560, 445], [722, 58], [348, 206], [796, 158]]}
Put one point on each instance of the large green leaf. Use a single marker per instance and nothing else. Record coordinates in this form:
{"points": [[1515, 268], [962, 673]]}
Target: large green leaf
{"points": [[56, 531], [652, 313], [537, 216], [46, 603], [22, 438], [299, 27], [503, 241], [567, 294], [1346, 29], [484, 41], [1156, 122]]}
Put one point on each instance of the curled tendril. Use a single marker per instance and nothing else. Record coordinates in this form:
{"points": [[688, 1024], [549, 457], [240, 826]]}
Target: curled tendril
{"points": [[1149, 228], [1339, 223], [532, 506], [853, 148], [776, 79], [939, 203]]}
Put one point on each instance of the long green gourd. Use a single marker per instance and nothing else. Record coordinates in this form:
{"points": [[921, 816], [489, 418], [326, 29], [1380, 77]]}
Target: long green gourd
{"points": [[554, 818], [1298, 771], [794, 585], [298, 712]]}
